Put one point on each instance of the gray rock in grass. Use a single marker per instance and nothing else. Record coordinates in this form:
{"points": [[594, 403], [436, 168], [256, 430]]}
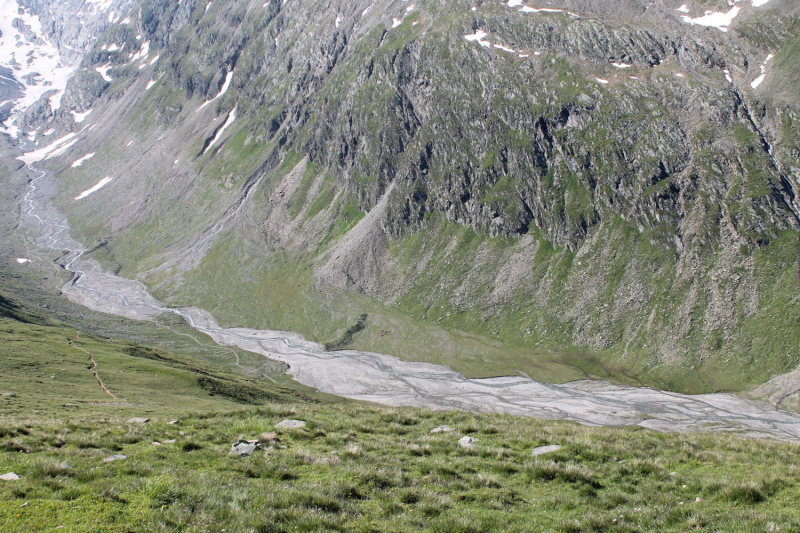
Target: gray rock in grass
{"points": [[541, 450]]}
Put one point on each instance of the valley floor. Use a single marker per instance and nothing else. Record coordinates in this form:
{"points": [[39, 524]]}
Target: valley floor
{"points": [[388, 380]]}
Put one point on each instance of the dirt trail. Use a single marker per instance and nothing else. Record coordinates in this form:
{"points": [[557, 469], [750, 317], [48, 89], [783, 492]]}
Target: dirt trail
{"points": [[93, 368]]}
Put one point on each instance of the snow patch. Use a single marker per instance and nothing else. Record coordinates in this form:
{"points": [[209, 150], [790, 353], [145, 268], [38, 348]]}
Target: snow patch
{"points": [[153, 82], [102, 183], [478, 38], [22, 260], [49, 150], [222, 91], [683, 9], [622, 65], [143, 52], [396, 22], [80, 117], [79, 162], [126, 20], [759, 80], [501, 47], [728, 75], [338, 21], [101, 5], [113, 47], [104, 71], [228, 122], [601, 80], [759, 3], [36, 62], [713, 19]]}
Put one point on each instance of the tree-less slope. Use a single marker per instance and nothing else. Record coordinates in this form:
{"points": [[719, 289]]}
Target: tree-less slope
{"points": [[602, 186]]}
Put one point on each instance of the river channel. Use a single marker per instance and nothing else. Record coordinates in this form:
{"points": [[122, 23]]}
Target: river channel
{"points": [[391, 381]]}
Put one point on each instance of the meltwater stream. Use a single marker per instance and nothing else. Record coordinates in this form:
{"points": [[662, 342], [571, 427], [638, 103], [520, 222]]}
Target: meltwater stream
{"points": [[391, 381]]}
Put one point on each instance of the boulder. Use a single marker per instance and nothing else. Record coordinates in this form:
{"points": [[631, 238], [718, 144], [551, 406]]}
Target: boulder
{"points": [[467, 442], [117, 457], [245, 447], [290, 424], [442, 429], [11, 476], [541, 450]]}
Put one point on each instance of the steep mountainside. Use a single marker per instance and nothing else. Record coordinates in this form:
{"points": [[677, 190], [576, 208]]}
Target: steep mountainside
{"points": [[608, 184]]}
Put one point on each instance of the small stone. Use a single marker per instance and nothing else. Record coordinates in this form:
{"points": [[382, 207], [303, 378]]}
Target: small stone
{"points": [[467, 442], [156, 443], [442, 429], [117, 457], [25, 504], [541, 450], [290, 424], [138, 421], [174, 422], [699, 499], [243, 448], [70, 405], [11, 476], [169, 441], [9, 394]]}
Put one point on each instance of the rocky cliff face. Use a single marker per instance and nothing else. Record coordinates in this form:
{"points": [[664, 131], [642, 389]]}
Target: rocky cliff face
{"points": [[41, 43], [609, 180]]}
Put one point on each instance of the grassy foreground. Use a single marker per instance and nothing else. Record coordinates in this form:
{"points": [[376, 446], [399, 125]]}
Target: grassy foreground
{"points": [[361, 468]]}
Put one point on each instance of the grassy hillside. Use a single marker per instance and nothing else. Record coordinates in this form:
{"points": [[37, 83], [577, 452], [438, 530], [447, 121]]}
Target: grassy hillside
{"points": [[356, 468], [47, 367]]}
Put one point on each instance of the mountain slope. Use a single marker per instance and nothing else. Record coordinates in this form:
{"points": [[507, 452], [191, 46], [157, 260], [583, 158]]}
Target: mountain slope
{"points": [[601, 183]]}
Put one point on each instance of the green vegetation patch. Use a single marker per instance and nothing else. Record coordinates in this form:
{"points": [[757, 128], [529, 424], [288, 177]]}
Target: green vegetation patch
{"points": [[359, 468]]}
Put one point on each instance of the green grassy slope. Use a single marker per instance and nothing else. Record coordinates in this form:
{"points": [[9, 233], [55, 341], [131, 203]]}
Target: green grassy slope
{"points": [[48, 367], [355, 468]]}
